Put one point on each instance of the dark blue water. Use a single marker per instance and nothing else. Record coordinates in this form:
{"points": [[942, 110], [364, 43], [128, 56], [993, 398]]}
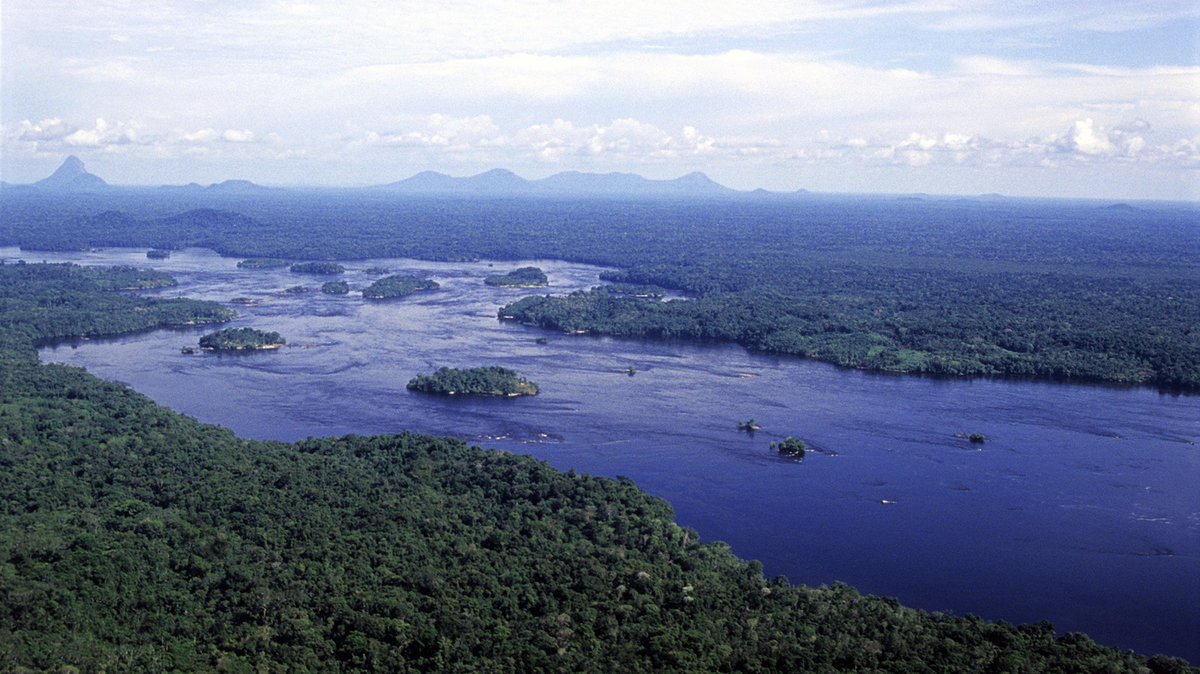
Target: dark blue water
{"points": [[1082, 508]]}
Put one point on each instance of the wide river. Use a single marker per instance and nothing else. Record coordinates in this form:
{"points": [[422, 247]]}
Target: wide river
{"points": [[1082, 508]]}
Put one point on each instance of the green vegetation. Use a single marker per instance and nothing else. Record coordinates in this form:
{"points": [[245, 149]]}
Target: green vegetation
{"points": [[158, 254], [975, 438], [790, 446], [335, 287], [399, 285], [295, 290], [489, 380], [1022, 287], [521, 277], [241, 339], [262, 263], [634, 290], [328, 268], [749, 425], [133, 538]]}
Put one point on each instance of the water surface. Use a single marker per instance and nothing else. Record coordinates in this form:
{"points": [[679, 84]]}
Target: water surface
{"points": [[1082, 508]]}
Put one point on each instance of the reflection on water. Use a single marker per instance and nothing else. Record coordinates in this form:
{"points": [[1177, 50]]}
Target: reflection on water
{"points": [[1081, 508]]}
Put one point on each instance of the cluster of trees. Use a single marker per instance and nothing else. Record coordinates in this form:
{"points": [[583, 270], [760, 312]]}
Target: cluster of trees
{"points": [[789, 446], [398, 285], [487, 380], [241, 339], [521, 277], [1019, 287], [335, 287], [133, 538], [329, 268]]}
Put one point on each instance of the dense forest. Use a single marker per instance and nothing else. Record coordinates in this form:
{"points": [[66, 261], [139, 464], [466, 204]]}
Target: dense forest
{"points": [[133, 538], [1017, 287], [487, 380]]}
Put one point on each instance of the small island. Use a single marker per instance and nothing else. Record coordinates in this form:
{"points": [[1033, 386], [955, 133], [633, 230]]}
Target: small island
{"points": [[522, 277], [295, 290], [158, 254], [489, 380], [262, 263], [335, 288], [327, 268], [789, 446], [241, 339], [973, 438], [749, 426], [399, 285]]}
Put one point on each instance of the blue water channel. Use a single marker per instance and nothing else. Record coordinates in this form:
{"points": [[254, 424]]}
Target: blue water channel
{"points": [[1082, 507]]}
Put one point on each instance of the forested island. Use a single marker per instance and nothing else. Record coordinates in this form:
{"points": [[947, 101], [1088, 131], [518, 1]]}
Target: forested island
{"points": [[489, 380], [133, 538], [157, 254], [335, 287], [789, 446], [241, 339], [398, 285], [521, 277], [324, 268], [262, 263]]}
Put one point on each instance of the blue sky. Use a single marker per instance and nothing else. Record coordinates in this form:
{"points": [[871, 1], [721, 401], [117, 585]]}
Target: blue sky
{"points": [[1094, 99]]}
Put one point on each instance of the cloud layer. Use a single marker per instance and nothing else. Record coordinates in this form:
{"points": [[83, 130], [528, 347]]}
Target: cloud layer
{"points": [[757, 89]]}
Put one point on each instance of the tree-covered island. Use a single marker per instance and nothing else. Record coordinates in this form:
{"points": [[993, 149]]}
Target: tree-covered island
{"points": [[522, 277], [489, 380], [789, 446], [335, 288], [328, 268], [398, 285], [158, 254], [262, 263], [241, 339]]}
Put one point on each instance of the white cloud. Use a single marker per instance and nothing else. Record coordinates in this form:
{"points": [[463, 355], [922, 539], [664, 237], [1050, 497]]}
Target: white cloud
{"points": [[238, 136]]}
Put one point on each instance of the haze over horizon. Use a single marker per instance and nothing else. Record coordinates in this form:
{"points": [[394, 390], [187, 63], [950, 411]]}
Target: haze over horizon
{"points": [[962, 97]]}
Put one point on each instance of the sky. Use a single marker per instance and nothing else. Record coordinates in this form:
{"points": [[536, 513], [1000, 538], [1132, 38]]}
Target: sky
{"points": [[1096, 98]]}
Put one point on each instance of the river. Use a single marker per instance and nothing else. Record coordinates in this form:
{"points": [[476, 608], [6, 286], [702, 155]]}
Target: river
{"points": [[1081, 508]]}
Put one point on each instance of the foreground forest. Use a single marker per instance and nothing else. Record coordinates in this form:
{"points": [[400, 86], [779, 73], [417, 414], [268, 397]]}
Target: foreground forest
{"points": [[1045, 288], [133, 538]]}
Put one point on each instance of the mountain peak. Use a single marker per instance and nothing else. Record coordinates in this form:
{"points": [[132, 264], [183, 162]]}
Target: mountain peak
{"points": [[71, 176]]}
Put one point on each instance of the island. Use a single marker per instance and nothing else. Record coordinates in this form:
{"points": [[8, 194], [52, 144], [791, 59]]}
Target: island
{"points": [[399, 285], [262, 263], [522, 277], [789, 446], [974, 438], [241, 339], [489, 380], [335, 288], [749, 426], [158, 254], [327, 268], [295, 290]]}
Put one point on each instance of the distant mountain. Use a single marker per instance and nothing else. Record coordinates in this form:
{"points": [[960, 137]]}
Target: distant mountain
{"points": [[500, 182], [225, 187], [71, 176], [494, 182]]}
